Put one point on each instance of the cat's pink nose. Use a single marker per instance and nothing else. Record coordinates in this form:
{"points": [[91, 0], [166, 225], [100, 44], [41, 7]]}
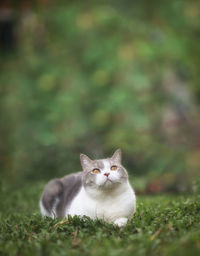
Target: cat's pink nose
{"points": [[107, 174]]}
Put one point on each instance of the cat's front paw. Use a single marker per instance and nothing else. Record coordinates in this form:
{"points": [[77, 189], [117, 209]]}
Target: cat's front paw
{"points": [[121, 222]]}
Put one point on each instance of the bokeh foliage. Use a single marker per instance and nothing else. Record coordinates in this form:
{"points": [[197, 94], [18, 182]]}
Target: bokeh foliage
{"points": [[91, 77]]}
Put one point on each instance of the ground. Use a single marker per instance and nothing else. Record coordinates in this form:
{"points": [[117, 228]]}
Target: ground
{"points": [[163, 225]]}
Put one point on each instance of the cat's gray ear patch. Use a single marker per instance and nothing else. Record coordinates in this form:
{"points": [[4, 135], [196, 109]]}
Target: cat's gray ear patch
{"points": [[117, 156], [86, 162]]}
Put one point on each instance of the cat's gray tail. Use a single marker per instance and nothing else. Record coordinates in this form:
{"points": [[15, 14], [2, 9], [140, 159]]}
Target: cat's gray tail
{"points": [[50, 199]]}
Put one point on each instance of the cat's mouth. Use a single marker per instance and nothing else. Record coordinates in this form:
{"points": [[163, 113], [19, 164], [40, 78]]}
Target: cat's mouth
{"points": [[108, 181]]}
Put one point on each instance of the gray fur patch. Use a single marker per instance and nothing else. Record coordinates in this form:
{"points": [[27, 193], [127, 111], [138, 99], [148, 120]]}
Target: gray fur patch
{"points": [[99, 164], [62, 191]]}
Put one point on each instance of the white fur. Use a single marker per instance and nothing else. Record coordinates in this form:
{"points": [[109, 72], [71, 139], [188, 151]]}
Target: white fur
{"points": [[44, 212], [114, 205], [121, 222]]}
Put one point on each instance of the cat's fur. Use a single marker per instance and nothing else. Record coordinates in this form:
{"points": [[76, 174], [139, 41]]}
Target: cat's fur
{"points": [[107, 195]]}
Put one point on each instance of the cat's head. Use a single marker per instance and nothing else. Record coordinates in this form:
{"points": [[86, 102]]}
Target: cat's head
{"points": [[103, 173]]}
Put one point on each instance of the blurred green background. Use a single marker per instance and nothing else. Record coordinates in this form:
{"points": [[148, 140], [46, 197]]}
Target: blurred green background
{"points": [[93, 76]]}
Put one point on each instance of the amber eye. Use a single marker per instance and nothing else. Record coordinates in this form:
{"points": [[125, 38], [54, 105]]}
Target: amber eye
{"points": [[113, 168], [96, 171]]}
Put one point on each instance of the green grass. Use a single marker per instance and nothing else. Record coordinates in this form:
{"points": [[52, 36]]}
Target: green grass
{"points": [[163, 225]]}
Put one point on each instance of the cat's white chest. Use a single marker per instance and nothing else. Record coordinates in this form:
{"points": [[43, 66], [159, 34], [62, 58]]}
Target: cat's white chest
{"points": [[107, 207]]}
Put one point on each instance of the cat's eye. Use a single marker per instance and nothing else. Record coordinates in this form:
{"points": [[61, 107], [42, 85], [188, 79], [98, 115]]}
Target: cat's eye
{"points": [[113, 168], [95, 171]]}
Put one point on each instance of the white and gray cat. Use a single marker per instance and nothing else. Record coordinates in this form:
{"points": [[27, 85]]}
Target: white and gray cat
{"points": [[102, 190]]}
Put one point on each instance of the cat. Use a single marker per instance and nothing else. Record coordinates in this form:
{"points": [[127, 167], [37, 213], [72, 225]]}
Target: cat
{"points": [[102, 190]]}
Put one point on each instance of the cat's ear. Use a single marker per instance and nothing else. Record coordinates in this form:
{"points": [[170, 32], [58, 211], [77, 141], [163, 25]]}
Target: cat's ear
{"points": [[117, 156], [86, 162]]}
